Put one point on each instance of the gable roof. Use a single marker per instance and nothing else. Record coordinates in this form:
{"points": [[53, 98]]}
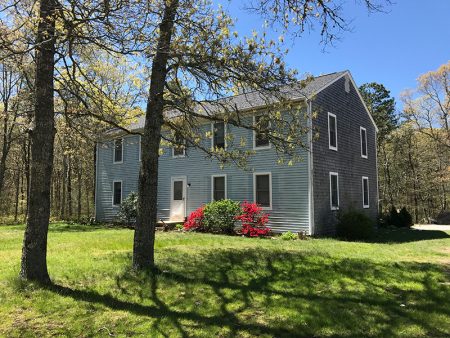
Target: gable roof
{"points": [[255, 99]]}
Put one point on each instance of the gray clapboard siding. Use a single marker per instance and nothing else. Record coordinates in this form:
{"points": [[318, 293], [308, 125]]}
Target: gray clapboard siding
{"points": [[290, 200]]}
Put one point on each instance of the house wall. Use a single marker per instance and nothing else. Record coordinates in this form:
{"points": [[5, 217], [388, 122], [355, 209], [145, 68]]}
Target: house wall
{"points": [[290, 198], [347, 160]]}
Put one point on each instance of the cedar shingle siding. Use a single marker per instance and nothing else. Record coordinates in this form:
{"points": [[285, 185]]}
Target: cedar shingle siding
{"points": [[347, 160]]}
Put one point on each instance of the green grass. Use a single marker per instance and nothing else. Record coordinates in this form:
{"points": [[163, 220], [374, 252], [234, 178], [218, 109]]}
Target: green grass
{"points": [[210, 285]]}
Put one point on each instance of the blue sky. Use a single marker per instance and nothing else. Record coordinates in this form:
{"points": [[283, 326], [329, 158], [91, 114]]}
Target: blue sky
{"points": [[391, 48]]}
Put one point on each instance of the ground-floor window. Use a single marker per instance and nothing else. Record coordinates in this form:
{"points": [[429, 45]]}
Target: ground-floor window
{"points": [[334, 191], [117, 192], [219, 187], [365, 191], [262, 189]]}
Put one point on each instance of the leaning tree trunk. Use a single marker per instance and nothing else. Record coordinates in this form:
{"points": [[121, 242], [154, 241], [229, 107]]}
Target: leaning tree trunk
{"points": [[144, 235], [42, 133]]}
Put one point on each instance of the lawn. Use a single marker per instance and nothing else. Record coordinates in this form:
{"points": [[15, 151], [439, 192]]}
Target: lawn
{"points": [[211, 285]]}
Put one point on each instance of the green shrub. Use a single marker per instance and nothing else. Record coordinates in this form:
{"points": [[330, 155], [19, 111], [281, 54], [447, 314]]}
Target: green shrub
{"points": [[128, 209], [179, 227], [220, 216], [354, 225], [288, 236], [405, 218], [393, 218]]}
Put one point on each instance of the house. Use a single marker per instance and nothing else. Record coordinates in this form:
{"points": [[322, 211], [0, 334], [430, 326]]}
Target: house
{"points": [[339, 169]]}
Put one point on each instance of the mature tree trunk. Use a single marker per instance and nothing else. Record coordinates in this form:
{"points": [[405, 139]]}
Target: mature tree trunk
{"points": [[79, 196], [34, 251], [144, 235], [62, 212], [16, 197]]}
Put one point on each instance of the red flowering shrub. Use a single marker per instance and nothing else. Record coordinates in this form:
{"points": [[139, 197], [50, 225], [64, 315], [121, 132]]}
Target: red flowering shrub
{"points": [[194, 221], [254, 220]]}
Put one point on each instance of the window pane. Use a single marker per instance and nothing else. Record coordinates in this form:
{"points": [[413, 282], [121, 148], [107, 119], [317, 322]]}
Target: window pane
{"points": [[118, 150], [366, 192], [179, 147], [263, 190], [219, 188], [332, 128], [334, 191], [219, 135], [363, 142], [177, 190], [117, 193], [262, 139]]}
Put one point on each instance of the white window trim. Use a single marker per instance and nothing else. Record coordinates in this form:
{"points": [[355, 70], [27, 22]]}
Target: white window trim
{"points": [[332, 173], [212, 186], [361, 141], [225, 126], [179, 156], [114, 151], [254, 138], [270, 188], [121, 193], [336, 131], [365, 206], [140, 148]]}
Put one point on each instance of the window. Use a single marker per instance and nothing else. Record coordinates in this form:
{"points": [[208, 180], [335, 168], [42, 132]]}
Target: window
{"points": [[219, 187], [140, 147], [218, 130], [334, 191], [117, 192], [332, 131], [179, 149], [260, 139], [365, 191], [363, 134], [178, 190], [262, 185], [118, 150]]}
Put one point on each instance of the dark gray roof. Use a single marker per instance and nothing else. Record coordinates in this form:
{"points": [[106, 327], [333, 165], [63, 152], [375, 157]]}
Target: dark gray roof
{"points": [[256, 99]]}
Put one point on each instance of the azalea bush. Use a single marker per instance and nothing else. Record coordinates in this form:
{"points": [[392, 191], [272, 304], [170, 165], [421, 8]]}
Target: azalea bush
{"points": [[222, 216]]}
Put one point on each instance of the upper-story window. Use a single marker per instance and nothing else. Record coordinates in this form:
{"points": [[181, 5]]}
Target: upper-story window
{"points": [[334, 191], [365, 191], [332, 131], [363, 136], [140, 148], [179, 148], [260, 137], [118, 150], [219, 130]]}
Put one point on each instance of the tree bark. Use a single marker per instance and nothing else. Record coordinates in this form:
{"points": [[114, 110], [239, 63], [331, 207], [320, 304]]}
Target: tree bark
{"points": [[42, 133], [62, 212], [144, 235], [69, 187], [79, 197]]}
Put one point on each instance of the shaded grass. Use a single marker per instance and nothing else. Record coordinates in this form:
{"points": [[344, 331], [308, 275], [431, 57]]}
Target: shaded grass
{"points": [[210, 285]]}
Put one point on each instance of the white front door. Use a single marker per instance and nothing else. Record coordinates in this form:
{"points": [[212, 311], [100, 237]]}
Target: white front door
{"points": [[178, 199]]}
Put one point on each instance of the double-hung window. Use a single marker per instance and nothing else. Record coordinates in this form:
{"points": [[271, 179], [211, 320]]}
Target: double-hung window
{"points": [[363, 136], [365, 191], [118, 150], [179, 147], [332, 131], [262, 185], [334, 191], [219, 187], [260, 137], [117, 193], [219, 130]]}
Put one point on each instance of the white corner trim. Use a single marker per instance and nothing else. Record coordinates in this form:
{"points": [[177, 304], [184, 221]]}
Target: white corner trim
{"points": [[311, 170], [336, 131], [361, 142], [114, 150], [332, 173], [270, 187], [121, 193], [212, 185], [365, 178], [254, 138]]}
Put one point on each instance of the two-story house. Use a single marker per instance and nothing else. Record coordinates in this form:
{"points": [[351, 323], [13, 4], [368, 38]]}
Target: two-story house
{"points": [[339, 169]]}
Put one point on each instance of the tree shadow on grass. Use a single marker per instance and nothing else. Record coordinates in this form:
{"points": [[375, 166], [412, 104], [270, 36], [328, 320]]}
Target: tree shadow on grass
{"points": [[75, 227], [404, 235], [279, 293]]}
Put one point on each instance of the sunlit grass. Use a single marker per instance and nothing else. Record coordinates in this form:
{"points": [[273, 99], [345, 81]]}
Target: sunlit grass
{"points": [[210, 285]]}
